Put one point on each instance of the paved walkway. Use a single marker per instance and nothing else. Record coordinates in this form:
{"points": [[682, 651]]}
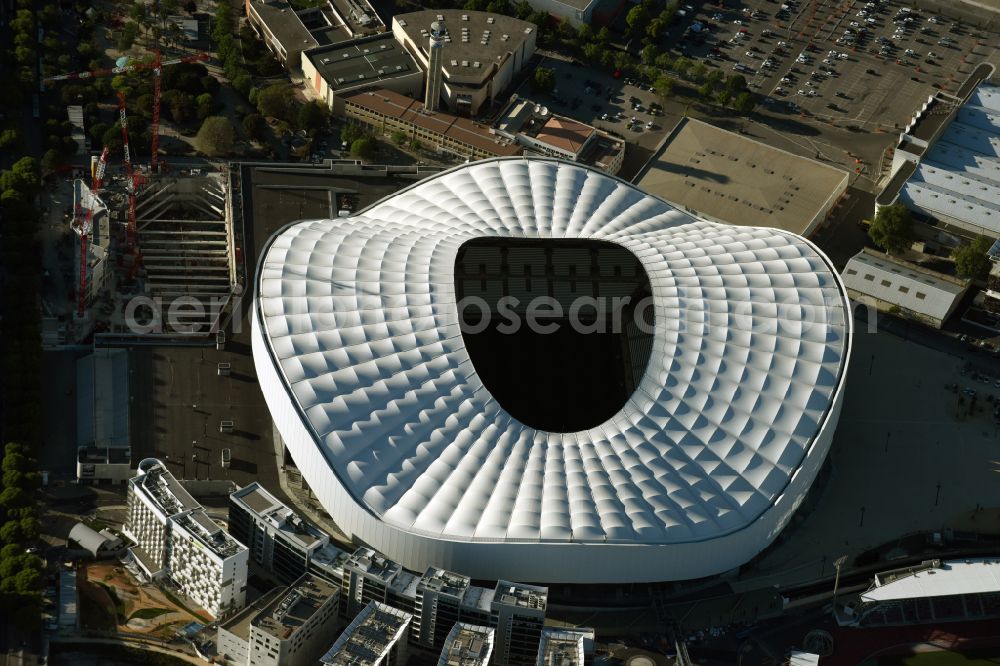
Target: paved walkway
{"points": [[907, 457]]}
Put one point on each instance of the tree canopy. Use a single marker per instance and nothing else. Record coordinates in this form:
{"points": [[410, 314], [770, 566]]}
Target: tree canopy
{"points": [[892, 229], [216, 136], [971, 260], [543, 80]]}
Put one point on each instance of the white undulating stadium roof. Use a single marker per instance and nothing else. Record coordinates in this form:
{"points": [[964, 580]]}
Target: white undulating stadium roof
{"points": [[362, 363]]}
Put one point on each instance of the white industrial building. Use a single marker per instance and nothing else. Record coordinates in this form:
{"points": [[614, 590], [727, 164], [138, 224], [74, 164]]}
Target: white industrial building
{"points": [[934, 591], [376, 637], [292, 627], [729, 419], [174, 538], [947, 163], [888, 283]]}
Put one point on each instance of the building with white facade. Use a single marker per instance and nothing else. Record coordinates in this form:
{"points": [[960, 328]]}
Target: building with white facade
{"points": [[946, 165], [391, 410], [467, 645], [175, 538], [892, 284], [376, 637], [481, 52]]}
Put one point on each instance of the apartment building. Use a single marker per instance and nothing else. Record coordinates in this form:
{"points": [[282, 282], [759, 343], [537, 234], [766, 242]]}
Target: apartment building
{"points": [[565, 647], [290, 626], [467, 645], [517, 614], [376, 637], [174, 538]]}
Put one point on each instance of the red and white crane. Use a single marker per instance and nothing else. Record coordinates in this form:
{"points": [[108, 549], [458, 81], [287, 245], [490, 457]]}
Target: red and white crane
{"points": [[84, 227], [156, 65]]}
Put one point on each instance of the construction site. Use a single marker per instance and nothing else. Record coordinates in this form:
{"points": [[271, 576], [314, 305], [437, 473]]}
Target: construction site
{"points": [[157, 252]]}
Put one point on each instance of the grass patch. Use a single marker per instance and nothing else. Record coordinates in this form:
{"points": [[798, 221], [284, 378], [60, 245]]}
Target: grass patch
{"points": [[119, 606], [95, 614], [149, 613]]}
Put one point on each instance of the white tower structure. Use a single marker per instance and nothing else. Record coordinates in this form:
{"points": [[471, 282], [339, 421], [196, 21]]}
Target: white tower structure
{"points": [[432, 96]]}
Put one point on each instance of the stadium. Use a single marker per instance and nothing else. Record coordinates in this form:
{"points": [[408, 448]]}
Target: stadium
{"points": [[527, 369]]}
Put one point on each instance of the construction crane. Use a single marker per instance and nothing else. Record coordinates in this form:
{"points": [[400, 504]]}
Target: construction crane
{"points": [[84, 227], [156, 65], [134, 182]]}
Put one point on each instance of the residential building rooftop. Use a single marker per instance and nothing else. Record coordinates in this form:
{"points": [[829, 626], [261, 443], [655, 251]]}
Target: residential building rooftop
{"points": [[208, 533], [370, 637], [521, 595], [159, 485], [444, 582], [373, 564], [257, 500], [467, 645], [564, 647], [239, 624], [293, 608]]}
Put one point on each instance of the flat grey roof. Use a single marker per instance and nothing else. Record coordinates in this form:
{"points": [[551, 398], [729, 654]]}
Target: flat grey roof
{"points": [[472, 37], [741, 181], [239, 624], [289, 611], [285, 25], [366, 60]]}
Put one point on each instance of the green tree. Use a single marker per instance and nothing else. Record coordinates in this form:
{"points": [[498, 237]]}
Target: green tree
{"points": [[722, 97], [206, 105], [649, 53], [698, 71], [215, 138], [892, 229], [398, 138], [255, 126], [350, 133], [715, 77], [636, 19], [681, 66], [663, 87], [706, 89], [10, 138], [743, 103], [365, 148], [592, 52], [313, 116], [543, 80], [51, 160], [971, 260], [276, 101], [242, 83], [736, 83]]}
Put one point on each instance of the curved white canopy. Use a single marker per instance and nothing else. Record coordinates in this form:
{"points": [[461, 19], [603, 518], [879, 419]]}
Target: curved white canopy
{"points": [[359, 317]]}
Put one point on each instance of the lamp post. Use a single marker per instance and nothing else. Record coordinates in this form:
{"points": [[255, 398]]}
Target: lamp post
{"points": [[837, 564]]}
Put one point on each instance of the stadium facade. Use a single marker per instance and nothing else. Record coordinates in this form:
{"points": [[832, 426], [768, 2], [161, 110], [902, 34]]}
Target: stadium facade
{"points": [[407, 434]]}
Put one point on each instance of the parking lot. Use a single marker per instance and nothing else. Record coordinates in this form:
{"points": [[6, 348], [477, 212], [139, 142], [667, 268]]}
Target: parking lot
{"points": [[852, 86], [860, 64], [595, 97]]}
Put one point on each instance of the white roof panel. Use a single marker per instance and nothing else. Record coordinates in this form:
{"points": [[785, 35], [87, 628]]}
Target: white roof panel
{"points": [[376, 364], [951, 578]]}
